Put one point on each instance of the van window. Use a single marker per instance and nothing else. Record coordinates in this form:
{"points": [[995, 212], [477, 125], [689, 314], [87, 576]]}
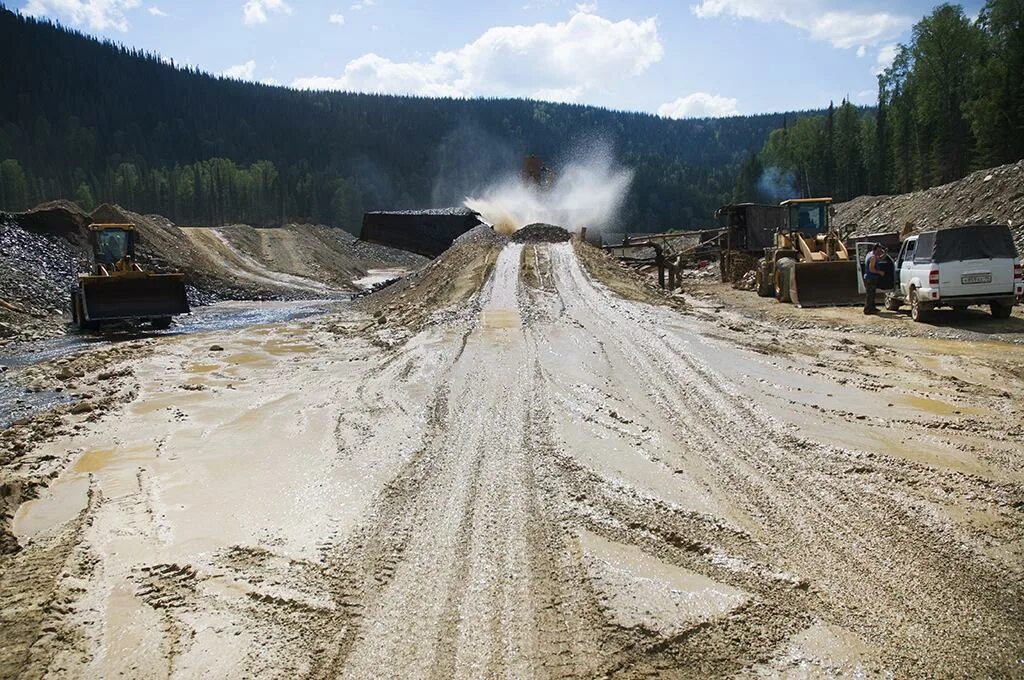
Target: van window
{"points": [[909, 254], [925, 243]]}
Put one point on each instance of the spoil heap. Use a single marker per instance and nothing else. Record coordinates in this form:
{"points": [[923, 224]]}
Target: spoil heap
{"points": [[986, 196], [37, 269], [539, 232]]}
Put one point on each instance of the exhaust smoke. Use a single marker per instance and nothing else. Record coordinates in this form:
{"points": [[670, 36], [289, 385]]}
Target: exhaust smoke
{"points": [[586, 192]]}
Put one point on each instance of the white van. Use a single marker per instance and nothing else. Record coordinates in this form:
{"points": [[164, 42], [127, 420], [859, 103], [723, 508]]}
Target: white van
{"points": [[959, 267]]}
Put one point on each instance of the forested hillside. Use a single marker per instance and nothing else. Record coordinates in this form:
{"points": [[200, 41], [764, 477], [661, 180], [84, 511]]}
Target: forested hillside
{"points": [[95, 122], [951, 102]]}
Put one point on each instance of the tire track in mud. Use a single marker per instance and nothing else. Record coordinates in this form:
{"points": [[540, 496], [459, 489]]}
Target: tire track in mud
{"points": [[864, 542], [554, 471], [481, 572]]}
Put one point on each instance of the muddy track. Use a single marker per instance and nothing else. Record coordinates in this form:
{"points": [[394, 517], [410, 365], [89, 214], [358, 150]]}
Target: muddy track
{"points": [[546, 480], [246, 269]]}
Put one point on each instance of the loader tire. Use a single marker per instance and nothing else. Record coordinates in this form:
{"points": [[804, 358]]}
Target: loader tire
{"points": [[784, 278], [160, 323]]}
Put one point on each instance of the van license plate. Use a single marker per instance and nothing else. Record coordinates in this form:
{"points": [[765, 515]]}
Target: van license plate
{"points": [[976, 278]]}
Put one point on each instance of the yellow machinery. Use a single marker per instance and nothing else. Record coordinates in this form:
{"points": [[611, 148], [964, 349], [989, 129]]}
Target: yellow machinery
{"points": [[118, 289], [809, 265], [536, 173]]}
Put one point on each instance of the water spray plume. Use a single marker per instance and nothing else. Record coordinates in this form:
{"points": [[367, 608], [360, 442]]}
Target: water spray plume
{"points": [[587, 192]]}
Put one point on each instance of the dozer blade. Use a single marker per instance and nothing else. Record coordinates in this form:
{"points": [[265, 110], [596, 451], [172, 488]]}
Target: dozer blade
{"points": [[149, 296], [825, 284]]}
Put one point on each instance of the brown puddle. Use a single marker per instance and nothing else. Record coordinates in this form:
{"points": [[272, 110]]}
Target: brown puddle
{"points": [[936, 407], [202, 368], [501, 318], [68, 494], [247, 358], [283, 347]]}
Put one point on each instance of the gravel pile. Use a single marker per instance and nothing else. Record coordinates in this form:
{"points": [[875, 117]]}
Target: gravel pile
{"points": [[373, 252], [36, 273], [480, 234], [540, 233], [995, 195]]}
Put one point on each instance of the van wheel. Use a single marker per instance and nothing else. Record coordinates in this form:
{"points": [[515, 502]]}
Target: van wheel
{"points": [[892, 303], [160, 323], [918, 310], [1000, 311]]}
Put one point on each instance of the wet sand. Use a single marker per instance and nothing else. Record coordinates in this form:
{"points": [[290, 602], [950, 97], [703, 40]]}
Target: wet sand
{"points": [[536, 478]]}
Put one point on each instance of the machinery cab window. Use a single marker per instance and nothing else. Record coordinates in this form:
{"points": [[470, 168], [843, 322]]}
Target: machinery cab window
{"points": [[808, 219], [112, 245]]}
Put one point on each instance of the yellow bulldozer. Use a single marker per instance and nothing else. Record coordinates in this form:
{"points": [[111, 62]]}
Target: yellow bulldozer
{"points": [[808, 264], [118, 289]]}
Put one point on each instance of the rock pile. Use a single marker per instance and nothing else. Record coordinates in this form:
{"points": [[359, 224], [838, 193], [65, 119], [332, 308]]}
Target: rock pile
{"points": [[37, 271], [540, 233], [995, 195]]}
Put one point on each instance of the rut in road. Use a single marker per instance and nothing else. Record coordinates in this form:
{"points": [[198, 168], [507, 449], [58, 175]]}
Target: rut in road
{"points": [[488, 555], [547, 480]]}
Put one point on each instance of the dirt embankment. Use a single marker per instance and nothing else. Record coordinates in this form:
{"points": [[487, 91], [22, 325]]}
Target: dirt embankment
{"points": [[41, 253], [989, 196]]}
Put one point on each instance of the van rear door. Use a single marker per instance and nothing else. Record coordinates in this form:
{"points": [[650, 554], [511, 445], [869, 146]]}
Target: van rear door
{"points": [[975, 260], [976, 277]]}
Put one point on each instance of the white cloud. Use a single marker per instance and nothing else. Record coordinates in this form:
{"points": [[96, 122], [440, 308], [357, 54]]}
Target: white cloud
{"points": [[844, 29], [363, 4], [244, 71], [886, 54], [556, 61], [157, 12], [96, 14], [861, 51], [255, 11], [337, 18], [699, 105]]}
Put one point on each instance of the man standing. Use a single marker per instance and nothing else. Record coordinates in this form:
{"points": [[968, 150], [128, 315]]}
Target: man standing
{"points": [[873, 275]]}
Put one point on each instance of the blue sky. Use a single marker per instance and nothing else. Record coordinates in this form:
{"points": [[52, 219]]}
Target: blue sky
{"points": [[679, 59]]}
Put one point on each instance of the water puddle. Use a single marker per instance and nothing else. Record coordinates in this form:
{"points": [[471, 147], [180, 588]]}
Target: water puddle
{"points": [[501, 308], [936, 407], [17, 403], [500, 318], [62, 500], [283, 348], [202, 368]]}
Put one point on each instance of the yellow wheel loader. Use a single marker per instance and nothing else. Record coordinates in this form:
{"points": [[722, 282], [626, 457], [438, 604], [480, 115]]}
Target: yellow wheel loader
{"points": [[809, 265], [118, 289]]}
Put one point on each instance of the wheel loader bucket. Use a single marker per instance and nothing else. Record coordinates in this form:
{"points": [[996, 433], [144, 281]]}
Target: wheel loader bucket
{"points": [[145, 296], [825, 284]]}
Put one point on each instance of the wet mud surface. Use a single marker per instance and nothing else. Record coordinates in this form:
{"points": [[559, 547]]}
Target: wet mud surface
{"points": [[503, 468], [18, 401]]}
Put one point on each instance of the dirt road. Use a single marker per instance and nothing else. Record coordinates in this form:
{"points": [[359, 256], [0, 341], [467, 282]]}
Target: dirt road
{"points": [[537, 478]]}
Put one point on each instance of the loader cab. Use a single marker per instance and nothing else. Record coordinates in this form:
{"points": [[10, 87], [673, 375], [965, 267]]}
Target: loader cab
{"points": [[808, 216], [112, 243]]}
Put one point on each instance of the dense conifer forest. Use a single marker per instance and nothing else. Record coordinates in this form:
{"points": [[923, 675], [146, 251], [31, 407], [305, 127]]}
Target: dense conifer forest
{"points": [[93, 122], [951, 102]]}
